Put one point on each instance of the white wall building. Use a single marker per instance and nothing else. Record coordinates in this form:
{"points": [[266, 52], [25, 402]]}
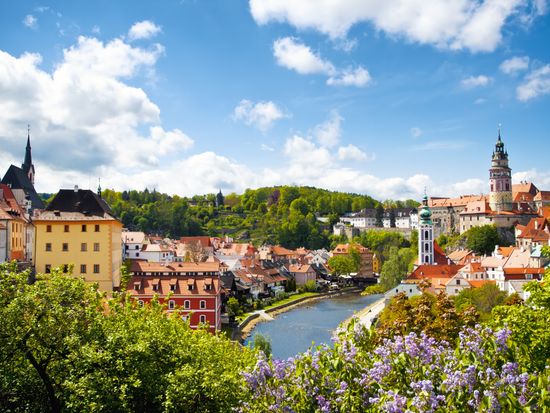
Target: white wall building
{"points": [[132, 244]]}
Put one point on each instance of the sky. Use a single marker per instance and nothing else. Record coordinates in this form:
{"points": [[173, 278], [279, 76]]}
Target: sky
{"points": [[384, 97]]}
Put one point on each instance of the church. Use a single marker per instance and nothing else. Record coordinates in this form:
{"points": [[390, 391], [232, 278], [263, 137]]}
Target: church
{"points": [[505, 206]]}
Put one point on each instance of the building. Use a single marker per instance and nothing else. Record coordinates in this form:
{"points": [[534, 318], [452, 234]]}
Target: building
{"points": [[197, 299], [156, 253], [21, 181], [302, 273], [132, 244], [17, 236], [78, 228], [425, 235], [366, 266], [505, 206]]}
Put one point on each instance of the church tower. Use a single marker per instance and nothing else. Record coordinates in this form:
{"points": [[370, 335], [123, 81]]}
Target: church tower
{"points": [[500, 179], [425, 235], [28, 166]]}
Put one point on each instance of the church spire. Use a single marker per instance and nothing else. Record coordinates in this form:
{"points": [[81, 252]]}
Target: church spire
{"points": [[27, 165]]}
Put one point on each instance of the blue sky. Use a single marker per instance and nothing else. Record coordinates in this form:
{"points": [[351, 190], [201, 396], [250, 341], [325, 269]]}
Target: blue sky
{"points": [[383, 98]]}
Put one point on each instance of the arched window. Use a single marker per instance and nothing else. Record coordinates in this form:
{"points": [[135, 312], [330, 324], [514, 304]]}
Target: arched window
{"points": [[426, 234], [187, 304]]}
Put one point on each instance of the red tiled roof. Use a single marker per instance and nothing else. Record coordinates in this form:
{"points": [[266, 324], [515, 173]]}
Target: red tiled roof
{"points": [[300, 268], [523, 271], [480, 283], [434, 271], [542, 196], [174, 267], [147, 283], [204, 241]]}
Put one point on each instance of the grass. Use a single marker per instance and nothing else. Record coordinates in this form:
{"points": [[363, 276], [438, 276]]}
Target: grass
{"points": [[290, 299]]}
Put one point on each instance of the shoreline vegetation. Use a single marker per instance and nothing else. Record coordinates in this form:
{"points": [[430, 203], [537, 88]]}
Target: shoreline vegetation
{"points": [[246, 326]]}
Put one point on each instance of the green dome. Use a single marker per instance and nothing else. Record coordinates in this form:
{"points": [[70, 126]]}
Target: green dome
{"points": [[425, 213]]}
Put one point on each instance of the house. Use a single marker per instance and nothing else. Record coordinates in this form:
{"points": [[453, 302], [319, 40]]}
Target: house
{"points": [[366, 269], [438, 275], [456, 284], [21, 181], [512, 280], [18, 231], [197, 299], [535, 233], [461, 256], [79, 228], [188, 269], [302, 273], [541, 200], [132, 244], [156, 253], [410, 289]]}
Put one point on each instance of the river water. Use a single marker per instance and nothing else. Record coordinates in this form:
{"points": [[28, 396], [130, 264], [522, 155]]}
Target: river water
{"points": [[294, 331]]}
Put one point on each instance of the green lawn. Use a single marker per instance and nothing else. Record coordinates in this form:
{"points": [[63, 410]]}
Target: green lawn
{"points": [[290, 299]]}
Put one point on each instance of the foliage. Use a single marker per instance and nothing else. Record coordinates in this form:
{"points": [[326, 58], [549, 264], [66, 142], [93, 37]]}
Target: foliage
{"points": [[234, 307], [65, 348], [484, 299], [435, 316], [262, 343], [382, 242], [529, 323], [284, 215], [309, 287], [396, 267], [414, 373], [482, 240], [342, 264], [374, 289]]}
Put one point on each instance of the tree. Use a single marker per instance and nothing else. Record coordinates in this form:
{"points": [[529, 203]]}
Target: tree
{"points": [[482, 240], [233, 307], [341, 264], [392, 218], [380, 216], [262, 343]]}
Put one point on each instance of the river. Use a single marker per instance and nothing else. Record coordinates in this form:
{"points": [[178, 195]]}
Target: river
{"points": [[294, 331]]}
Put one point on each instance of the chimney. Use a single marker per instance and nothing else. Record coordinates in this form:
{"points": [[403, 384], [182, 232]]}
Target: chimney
{"points": [[76, 188], [536, 224]]}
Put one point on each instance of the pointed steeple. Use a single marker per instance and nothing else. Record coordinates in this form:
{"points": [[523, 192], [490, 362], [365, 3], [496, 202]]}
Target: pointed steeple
{"points": [[27, 165], [99, 188]]}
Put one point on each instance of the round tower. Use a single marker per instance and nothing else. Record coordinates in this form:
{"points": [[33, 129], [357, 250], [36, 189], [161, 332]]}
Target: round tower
{"points": [[500, 179], [425, 235]]}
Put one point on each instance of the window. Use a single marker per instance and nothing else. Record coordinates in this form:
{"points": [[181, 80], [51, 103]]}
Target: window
{"points": [[96, 246], [203, 304], [187, 304], [84, 228], [96, 268], [65, 228], [65, 268], [190, 287], [48, 268], [48, 228], [171, 304], [48, 246], [96, 227], [456, 290], [203, 318], [184, 317], [172, 287], [140, 303], [137, 247], [155, 287], [65, 247], [137, 254], [457, 282], [82, 268], [83, 247]]}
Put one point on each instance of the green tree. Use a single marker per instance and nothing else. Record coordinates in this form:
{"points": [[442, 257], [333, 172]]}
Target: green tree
{"points": [[341, 264], [262, 343], [482, 240], [380, 216]]}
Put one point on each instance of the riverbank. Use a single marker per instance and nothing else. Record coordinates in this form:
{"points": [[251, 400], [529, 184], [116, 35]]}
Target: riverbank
{"points": [[368, 314], [245, 328]]}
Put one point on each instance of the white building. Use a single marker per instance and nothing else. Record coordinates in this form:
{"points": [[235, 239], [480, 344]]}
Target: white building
{"points": [[157, 253], [132, 244]]}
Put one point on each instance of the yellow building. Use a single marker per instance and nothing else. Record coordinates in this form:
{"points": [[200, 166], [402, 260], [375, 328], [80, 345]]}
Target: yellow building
{"points": [[77, 228]]}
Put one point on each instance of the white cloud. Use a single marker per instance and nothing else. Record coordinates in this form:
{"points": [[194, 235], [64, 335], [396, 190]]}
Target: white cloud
{"points": [[30, 21], [514, 65], [350, 77], [85, 118], [416, 132], [540, 178], [475, 25], [96, 29], [476, 81], [328, 133], [143, 30], [480, 101], [536, 83], [267, 148], [261, 115], [292, 54], [289, 52], [351, 152]]}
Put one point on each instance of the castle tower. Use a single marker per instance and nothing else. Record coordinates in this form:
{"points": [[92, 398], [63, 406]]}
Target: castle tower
{"points": [[500, 179], [425, 235], [27, 165]]}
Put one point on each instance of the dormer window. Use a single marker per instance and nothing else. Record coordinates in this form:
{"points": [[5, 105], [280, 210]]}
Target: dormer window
{"points": [[137, 286]]}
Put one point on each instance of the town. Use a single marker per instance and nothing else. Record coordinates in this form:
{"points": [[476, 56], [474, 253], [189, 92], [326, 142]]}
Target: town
{"points": [[196, 276]]}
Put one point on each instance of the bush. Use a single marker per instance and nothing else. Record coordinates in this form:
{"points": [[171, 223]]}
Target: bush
{"points": [[374, 289]]}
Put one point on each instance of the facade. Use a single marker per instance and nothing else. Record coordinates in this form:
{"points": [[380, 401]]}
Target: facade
{"points": [[132, 244], [302, 273], [197, 299], [366, 266], [425, 235], [156, 253], [78, 229], [500, 179], [18, 231]]}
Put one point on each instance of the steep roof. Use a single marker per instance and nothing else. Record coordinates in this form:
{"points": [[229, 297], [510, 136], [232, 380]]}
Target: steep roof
{"points": [[16, 178], [204, 241], [75, 205], [181, 283], [434, 271], [174, 267], [524, 187]]}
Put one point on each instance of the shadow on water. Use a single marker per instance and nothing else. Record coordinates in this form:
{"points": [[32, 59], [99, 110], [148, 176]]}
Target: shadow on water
{"points": [[294, 332]]}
